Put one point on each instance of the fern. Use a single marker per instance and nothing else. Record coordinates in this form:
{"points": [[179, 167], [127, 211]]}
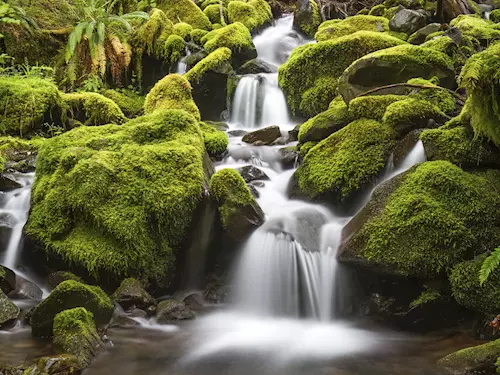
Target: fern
{"points": [[489, 265]]}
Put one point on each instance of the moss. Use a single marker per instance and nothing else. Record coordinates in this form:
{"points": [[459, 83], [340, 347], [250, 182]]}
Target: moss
{"points": [[306, 147], [172, 92], [185, 11], [459, 53], [68, 295], [391, 12], [117, 200], [428, 295], [363, 12], [441, 98], [94, 109], [183, 30], [474, 360], [252, 14], [213, 13], [378, 10], [151, 37], [476, 27], [214, 60], [436, 216], [131, 103], [350, 25], [11, 147], [495, 16], [229, 189], [197, 35], [216, 141], [372, 107], [27, 104], [75, 333], [308, 21], [204, 4], [481, 79], [236, 37], [316, 67], [346, 161], [175, 48]]}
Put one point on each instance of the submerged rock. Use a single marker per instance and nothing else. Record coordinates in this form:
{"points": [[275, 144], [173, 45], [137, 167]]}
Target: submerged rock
{"points": [[257, 66], [8, 310], [251, 173], [7, 183], [169, 311], [131, 293], [264, 136]]}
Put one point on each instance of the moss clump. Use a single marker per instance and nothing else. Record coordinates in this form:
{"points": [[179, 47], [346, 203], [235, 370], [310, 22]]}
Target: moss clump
{"points": [[204, 4], [213, 61], [117, 200], [316, 67], [495, 16], [172, 92], [428, 295], [214, 15], [252, 14], [306, 147], [75, 333], [435, 216], [94, 109], [480, 359], [131, 293], [11, 148], [27, 104], [175, 48], [441, 98], [351, 25], [216, 141], [346, 161], [459, 53], [476, 27], [151, 37], [197, 35], [378, 10], [183, 30], [481, 79], [308, 20], [185, 11], [131, 103], [68, 295], [372, 107]]}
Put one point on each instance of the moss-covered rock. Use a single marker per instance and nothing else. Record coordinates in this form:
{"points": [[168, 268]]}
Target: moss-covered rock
{"points": [[237, 38], [213, 12], [495, 16], [459, 49], [185, 11], [18, 154], [172, 92], [170, 311], [92, 109], [253, 13], [131, 293], [7, 280], [151, 37], [372, 106], [27, 105], [131, 103], [425, 221], [8, 310], [438, 96], [74, 332], [183, 30], [309, 78], [68, 295], [56, 278], [395, 65], [346, 162], [306, 17], [239, 212], [331, 30], [476, 27], [117, 200], [62, 364], [197, 35], [216, 141], [419, 36]]}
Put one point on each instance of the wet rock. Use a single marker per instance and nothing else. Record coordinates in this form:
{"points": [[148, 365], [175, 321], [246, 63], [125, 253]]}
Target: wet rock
{"points": [[56, 278], [281, 141], [219, 125], [264, 136], [8, 311], [169, 311], [194, 301], [254, 191], [419, 36], [25, 289], [407, 21], [256, 66], [289, 157], [237, 133], [124, 319], [404, 146], [64, 364], [8, 183], [306, 17], [293, 135], [131, 293], [7, 280], [251, 173]]}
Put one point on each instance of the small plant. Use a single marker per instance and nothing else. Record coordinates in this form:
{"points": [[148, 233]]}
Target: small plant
{"points": [[93, 83], [489, 265], [15, 15]]}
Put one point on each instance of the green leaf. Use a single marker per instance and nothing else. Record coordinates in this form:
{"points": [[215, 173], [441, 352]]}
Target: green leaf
{"points": [[489, 265]]}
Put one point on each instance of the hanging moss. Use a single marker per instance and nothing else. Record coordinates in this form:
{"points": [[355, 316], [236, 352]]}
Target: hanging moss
{"points": [[151, 37], [214, 60], [214, 15], [131, 103], [481, 79], [346, 161], [307, 21], [91, 108], [315, 68], [350, 25], [476, 27], [185, 11], [172, 92], [372, 107], [183, 30], [216, 141], [252, 14]]}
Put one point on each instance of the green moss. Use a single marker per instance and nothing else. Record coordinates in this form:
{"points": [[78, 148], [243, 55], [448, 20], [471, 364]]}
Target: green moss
{"points": [[216, 141], [252, 14], [236, 37], [175, 48], [306, 147], [68, 295], [476, 359], [10, 147], [363, 12], [481, 79], [214, 60], [308, 21], [391, 12], [207, 3], [476, 27], [197, 35], [131, 103], [214, 15], [316, 68], [495, 16], [94, 109], [172, 92], [183, 30], [346, 161], [27, 104], [350, 25], [436, 216], [426, 296], [151, 37], [117, 200], [372, 107], [75, 332], [185, 11], [459, 53], [378, 10], [441, 98]]}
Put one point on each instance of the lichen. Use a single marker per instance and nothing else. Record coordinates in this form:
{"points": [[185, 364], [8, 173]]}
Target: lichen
{"points": [[216, 141], [94, 109], [185, 11], [212, 61], [350, 25]]}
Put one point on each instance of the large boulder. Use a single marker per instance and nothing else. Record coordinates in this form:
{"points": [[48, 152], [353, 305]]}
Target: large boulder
{"points": [[68, 295], [407, 21], [335, 28], [264, 136], [481, 359], [90, 108], [185, 11], [306, 17], [131, 293], [253, 13], [395, 65], [169, 311], [8, 310]]}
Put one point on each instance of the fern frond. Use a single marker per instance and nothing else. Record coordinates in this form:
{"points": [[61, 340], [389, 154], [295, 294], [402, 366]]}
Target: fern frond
{"points": [[489, 265]]}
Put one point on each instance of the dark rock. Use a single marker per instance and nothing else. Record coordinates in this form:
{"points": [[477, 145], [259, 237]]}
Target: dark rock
{"points": [[25, 289], [169, 311], [124, 319], [251, 173], [293, 135], [63, 364], [264, 136], [237, 133], [8, 183], [419, 36], [194, 301], [407, 21], [256, 66], [254, 191], [194, 59], [131, 293], [289, 157], [404, 146], [281, 141], [7, 280], [56, 278], [8, 311]]}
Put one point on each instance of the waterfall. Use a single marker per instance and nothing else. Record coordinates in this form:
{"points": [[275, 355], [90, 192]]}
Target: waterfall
{"points": [[245, 102], [182, 64]]}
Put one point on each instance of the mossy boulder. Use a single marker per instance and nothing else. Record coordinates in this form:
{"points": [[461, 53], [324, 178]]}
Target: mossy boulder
{"points": [[372, 106], [169, 311], [476, 27], [395, 65], [457, 46], [151, 37], [185, 11], [74, 332], [213, 12], [131, 293], [92, 109], [238, 210], [131, 103], [425, 221], [56, 278], [216, 141], [333, 29], [306, 17], [8, 310], [236, 37], [438, 96], [62, 364], [419, 36], [309, 78], [209, 79], [346, 162], [183, 30], [28, 105], [68, 295], [253, 13]]}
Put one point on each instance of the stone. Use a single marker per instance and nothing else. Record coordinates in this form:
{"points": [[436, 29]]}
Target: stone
{"points": [[63, 364], [293, 135], [8, 183], [479, 359], [237, 133], [264, 136], [7, 280], [407, 21], [25, 289], [420, 35], [169, 311], [251, 173], [8, 310], [289, 157], [256, 66], [130, 293], [56, 278], [194, 301]]}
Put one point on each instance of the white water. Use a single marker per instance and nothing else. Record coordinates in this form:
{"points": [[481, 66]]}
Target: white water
{"points": [[182, 65]]}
